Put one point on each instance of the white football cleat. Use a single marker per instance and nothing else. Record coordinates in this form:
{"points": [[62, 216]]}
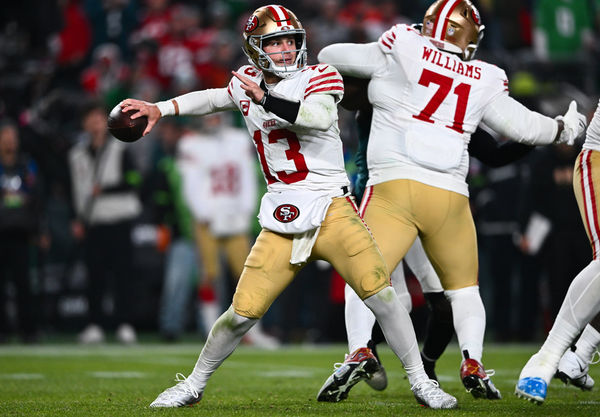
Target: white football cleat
{"points": [[178, 395], [126, 334], [357, 366], [574, 370], [429, 394], [92, 334], [258, 338]]}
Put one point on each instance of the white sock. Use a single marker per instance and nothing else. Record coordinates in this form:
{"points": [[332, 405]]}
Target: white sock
{"points": [[222, 340], [209, 313], [580, 305], [398, 331], [588, 343], [399, 285], [469, 320], [359, 320]]}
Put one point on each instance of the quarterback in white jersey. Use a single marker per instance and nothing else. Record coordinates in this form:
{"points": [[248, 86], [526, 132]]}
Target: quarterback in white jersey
{"points": [[290, 111], [428, 96], [582, 301]]}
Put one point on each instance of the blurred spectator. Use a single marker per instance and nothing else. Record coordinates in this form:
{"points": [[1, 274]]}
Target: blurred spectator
{"points": [[326, 28], [180, 50], [112, 21], [154, 25], [72, 44], [107, 78], [564, 37], [20, 227], [105, 200], [563, 29], [497, 219], [553, 226], [219, 185], [176, 236]]}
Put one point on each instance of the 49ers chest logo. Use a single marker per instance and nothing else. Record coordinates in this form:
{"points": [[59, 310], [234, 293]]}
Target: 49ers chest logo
{"points": [[286, 213]]}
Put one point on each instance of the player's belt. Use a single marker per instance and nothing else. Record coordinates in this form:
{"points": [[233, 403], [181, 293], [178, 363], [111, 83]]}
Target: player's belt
{"points": [[344, 190]]}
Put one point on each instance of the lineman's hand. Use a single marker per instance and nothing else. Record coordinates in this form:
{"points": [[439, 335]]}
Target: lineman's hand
{"points": [[143, 109], [574, 124]]}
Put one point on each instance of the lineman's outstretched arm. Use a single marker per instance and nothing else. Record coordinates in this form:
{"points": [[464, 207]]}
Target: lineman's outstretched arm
{"points": [[510, 118], [355, 59]]}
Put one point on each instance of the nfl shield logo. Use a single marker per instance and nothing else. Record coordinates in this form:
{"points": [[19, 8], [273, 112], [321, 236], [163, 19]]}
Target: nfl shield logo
{"points": [[245, 107]]}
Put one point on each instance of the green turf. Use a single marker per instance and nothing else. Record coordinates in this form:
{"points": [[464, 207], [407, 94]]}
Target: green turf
{"points": [[68, 380]]}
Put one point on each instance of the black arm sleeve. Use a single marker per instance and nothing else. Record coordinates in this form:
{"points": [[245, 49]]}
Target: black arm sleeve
{"points": [[279, 106], [485, 148]]}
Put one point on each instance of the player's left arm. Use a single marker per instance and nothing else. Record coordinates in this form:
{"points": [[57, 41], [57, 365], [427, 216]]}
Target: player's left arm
{"points": [[354, 59]]}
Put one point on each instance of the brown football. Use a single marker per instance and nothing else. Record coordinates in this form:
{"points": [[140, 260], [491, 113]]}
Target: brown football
{"points": [[123, 127]]}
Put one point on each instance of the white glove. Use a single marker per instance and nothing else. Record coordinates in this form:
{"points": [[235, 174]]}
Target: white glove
{"points": [[574, 125]]}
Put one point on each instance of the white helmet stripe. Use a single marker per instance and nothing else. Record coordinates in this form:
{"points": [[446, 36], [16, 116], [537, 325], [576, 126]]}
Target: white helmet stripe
{"points": [[441, 20], [278, 13]]}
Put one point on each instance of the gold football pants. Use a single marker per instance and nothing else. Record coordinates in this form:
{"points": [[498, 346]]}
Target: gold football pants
{"points": [[236, 248], [399, 210], [344, 241]]}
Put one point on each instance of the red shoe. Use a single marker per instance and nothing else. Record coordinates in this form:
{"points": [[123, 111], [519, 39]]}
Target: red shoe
{"points": [[359, 365], [476, 381]]}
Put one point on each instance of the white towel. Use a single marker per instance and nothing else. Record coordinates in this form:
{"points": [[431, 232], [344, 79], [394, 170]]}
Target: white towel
{"points": [[303, 244]]}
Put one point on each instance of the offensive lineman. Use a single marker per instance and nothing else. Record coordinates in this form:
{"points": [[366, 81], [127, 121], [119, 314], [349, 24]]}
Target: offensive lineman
{"points": [[290, 111], [581, 304], [428, 97]]}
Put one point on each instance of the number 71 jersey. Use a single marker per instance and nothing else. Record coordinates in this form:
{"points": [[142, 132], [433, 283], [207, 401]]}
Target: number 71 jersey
{"points": [[427, 103], [293, 157]]}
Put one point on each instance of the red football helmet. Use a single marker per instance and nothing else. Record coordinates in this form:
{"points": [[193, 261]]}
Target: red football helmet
{"points": [[268, 22], [454, 26]]}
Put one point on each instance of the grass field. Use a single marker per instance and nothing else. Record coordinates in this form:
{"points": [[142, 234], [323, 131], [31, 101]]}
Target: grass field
{"points": [[111, 380]]}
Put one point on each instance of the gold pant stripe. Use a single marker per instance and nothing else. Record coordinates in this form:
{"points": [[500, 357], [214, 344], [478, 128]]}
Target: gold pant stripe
{"points": [[586, 186]]}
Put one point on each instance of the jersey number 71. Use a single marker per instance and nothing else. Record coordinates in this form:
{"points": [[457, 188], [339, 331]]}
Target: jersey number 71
{"points": [[444, 83]]}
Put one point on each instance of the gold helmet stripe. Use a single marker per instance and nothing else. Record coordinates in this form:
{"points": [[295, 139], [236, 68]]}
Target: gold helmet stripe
{"points": [[280, 14], [441, 23]]}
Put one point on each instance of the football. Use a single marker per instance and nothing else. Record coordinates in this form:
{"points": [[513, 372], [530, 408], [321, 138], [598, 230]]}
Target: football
{"points": [[123, 127]]}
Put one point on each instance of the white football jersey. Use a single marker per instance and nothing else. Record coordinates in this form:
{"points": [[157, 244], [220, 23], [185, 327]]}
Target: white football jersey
{"points": [[219, 181], [592, 137], [426, 104], [292, 157]]}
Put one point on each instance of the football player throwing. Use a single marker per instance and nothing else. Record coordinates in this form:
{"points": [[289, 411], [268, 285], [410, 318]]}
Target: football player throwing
{"points": [[290, 110]]}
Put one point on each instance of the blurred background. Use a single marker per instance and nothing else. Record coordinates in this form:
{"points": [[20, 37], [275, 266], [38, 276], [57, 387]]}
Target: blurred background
{"points": [[92, 253]]}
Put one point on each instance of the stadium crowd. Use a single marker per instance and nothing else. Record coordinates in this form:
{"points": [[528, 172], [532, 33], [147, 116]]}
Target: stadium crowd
{"points": [[63, 267]]}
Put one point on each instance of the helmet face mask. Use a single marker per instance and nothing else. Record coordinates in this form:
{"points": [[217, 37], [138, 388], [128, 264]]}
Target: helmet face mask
{"points": [[454, 26], [269, 22]]}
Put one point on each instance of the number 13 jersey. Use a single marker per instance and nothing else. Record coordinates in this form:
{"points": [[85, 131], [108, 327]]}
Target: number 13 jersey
{"points": [[426, 104], [291, 156]]}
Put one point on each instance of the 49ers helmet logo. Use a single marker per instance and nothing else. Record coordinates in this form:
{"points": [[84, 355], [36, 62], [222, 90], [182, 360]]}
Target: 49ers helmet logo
{"points": [[286, 213], [251, 24]]}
